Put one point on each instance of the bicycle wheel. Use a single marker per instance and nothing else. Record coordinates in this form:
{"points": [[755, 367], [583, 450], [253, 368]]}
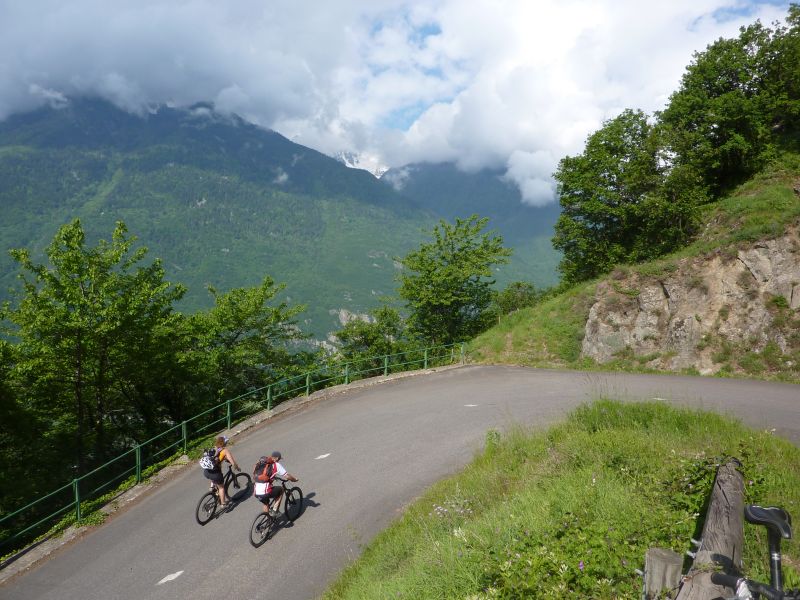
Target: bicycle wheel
{"points": [[294, 503], [261, 529], [237, 487], [206, 508]]}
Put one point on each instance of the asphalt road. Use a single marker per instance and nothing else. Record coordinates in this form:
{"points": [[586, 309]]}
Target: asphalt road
{"points": [[361, 457]]}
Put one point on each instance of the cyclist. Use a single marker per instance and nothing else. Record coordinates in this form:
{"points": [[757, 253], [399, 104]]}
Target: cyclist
{"points": [[272, 492], [223, 453]]}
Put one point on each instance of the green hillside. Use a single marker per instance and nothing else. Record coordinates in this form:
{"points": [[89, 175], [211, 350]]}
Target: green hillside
{"points": [[222, 203]]}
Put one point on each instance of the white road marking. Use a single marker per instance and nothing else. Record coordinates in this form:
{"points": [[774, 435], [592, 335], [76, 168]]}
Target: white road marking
{"points": [[170, 577], [470, 405], [321, 456], [660, 399]]}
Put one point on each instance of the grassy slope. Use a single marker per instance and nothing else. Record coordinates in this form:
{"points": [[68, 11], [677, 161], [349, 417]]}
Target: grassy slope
{"points": [[570, 512], [550, 334]]}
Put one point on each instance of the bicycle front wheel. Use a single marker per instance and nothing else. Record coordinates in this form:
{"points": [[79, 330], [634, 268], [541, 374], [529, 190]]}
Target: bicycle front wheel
{"points": [[261, 529], [206, 508], [294, 503], [236, 489]]}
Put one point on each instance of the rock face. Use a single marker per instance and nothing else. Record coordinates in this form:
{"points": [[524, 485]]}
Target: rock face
{"points": [[702, 312]]}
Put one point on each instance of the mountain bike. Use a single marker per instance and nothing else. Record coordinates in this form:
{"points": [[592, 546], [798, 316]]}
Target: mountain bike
{"points": [[236, 487], [779, 526], [264, 525]]}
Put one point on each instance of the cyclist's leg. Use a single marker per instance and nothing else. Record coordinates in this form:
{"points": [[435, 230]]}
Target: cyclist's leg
{"points": [[217, 480], [266, 501], [275, 498]]}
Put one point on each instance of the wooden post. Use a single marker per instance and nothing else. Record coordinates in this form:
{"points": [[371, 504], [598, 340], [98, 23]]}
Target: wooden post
{"points": [[723, 536], [662, 572]]}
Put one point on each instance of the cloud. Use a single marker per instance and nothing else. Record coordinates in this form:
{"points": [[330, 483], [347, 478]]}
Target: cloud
{"points": [[514, 84]]}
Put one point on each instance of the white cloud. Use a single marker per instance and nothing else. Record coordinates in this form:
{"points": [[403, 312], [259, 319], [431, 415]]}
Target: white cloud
{"points": [[515, 84]]}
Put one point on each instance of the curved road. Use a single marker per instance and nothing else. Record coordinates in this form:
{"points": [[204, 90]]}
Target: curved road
{"points": [[384, 444]]}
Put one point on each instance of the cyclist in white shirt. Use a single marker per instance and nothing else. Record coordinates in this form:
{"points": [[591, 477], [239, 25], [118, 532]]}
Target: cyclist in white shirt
{"points": [[266, 470]]}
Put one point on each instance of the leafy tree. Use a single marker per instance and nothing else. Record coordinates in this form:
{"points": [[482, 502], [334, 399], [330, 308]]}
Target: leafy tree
{"points": [[446, 282], [383, 333], [738, 103], [86, 330], [241, 343], [603, 194], [516, 295]]}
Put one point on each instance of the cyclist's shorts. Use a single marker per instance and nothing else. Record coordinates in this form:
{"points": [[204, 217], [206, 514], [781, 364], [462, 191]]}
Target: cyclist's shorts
{"points": [[276, 491], [215, 476]]}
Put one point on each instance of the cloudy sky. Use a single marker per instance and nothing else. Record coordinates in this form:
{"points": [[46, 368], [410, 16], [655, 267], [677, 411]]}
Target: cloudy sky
{"points": [[508, 84]]}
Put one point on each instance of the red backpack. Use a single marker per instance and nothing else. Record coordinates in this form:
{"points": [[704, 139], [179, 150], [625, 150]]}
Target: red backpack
{"points": [[264, 471]]}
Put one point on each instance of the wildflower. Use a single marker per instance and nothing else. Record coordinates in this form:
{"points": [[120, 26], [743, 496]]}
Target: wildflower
{"points": [[580, 566]]}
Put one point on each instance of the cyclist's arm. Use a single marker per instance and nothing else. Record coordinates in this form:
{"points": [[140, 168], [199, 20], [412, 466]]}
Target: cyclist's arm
{"points": [[229, 457]]}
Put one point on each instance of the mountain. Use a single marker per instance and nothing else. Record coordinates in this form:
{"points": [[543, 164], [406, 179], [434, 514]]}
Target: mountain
{"points": [[220, 201], [451, 193]]}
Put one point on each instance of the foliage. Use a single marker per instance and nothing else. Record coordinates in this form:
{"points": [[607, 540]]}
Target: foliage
{"points": [[615, 207], [635, 191], [88, 327], [94, 360], [446, 282], [516, 295], [240, 343], [382, 333]]}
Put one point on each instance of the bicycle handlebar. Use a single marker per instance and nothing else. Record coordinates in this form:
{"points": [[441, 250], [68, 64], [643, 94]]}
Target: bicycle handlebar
{"points": [[745, 587]]}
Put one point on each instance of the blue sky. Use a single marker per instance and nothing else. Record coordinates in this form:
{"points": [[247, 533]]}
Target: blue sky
{"points": [[507, 84]]}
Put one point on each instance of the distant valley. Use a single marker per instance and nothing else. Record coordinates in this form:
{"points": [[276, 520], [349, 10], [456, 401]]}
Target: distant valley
{"points": [[224, 203]]}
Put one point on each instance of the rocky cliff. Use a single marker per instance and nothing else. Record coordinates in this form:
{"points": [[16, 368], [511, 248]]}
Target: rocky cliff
{"points": [[735, 310]]}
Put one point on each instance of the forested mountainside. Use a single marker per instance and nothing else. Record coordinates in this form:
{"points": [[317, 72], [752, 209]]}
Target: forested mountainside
{"points": [[224, 203]]}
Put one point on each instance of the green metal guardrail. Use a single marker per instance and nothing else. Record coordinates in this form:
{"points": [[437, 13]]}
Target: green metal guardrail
{"points": [[179, 437]]}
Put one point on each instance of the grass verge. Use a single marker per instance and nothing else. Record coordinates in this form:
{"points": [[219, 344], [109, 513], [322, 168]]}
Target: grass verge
{"points": [[570, 512]]}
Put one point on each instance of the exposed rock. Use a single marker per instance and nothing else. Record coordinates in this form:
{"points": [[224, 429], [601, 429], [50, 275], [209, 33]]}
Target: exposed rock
{"points": [[682, 318]]}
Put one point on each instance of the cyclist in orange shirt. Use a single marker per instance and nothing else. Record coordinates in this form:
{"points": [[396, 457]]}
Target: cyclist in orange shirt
{"points": [[215, 474]]}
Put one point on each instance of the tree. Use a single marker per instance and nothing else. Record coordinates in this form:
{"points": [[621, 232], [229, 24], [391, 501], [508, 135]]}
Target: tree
{"points": [[516, 295], [721, 122], [446, 282], [382, 333], [240, 343], [602, 192], [88, 326]]}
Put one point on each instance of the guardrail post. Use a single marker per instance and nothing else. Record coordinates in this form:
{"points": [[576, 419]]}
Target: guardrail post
{"points": [[185, 437], [228, 403], [426, 359], [347, 373], [269, 397], [452, 354], [462, 353], [138, 463], [77, 493], [308, 383], [386, 365]]}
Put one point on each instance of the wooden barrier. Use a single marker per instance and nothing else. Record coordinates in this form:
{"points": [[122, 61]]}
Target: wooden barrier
{"points": [[723, 536]]}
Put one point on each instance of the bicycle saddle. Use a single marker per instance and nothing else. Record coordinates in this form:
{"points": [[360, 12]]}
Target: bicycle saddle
{"points": [[772, 517]]}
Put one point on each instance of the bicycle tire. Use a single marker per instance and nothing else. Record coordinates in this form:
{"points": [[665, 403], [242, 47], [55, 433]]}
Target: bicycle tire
{"points": [[293, 505], [206, 508], [261, 529], [237, 487]]}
